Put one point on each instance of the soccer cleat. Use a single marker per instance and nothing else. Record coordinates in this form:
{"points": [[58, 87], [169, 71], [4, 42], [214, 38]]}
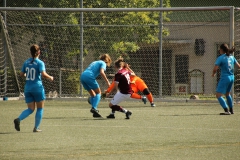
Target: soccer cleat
{"points": [[231, 111], [92, 110], [225, 113], [95, 113], [111, 116], [144, 99], [36, 130], [153, 105], [128, 114], [17, 124]]}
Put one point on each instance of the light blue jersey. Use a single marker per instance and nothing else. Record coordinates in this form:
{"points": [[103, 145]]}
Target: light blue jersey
{"points": [[88, 77], [94, 68], [89, 82], [33, 90], [226, 64]]}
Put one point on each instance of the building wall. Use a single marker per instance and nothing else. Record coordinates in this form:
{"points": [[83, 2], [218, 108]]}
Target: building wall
{"points": [[212, 35]]}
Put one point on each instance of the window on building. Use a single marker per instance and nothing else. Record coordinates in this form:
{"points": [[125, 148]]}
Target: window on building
{"points": [[181, 69]]}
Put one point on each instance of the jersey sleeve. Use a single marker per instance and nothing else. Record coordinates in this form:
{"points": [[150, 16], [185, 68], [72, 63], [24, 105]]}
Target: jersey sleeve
{"points": [[42, 67], [23, 67], [103, 66], [117, 77], [218, 61], [110, 87], [234, 60]]}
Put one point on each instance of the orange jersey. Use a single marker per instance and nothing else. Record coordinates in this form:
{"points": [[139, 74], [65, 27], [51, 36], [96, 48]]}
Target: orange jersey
{"points": [[137, 83], [111, 86]]}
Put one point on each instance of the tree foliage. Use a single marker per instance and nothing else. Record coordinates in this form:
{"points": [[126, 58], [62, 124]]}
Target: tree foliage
{"points": [[103, 31]]}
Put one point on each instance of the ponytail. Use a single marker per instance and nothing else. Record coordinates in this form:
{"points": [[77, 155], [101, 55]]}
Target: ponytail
{"points": [[225, 48], [119, 62], [34, 51]]}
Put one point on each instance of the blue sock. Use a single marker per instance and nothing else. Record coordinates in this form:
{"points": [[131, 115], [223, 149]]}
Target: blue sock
{"points": [[91, 100], [25, 114], [222, 102], [95, 101], [38, 117], [229, 101]]}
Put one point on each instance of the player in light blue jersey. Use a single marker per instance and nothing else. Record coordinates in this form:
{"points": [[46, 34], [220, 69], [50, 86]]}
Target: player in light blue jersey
{"points": [[33, 69], [226, 62], [89, 82]]}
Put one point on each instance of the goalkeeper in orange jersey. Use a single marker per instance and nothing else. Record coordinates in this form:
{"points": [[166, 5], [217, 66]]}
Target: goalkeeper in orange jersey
{"points": [[137, 84]]}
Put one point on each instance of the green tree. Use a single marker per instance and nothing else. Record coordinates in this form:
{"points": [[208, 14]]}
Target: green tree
{"points": [[104, 32]]}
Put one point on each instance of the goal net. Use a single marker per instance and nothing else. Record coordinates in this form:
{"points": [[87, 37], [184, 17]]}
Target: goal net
{"points": [[172, 50]]}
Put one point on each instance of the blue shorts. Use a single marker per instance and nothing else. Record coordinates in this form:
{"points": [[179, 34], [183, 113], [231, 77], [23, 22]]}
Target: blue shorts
{"points": [[88, 81], [34, 96], [225, 84]]}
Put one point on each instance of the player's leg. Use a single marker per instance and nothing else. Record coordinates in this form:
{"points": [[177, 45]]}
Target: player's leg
{"points": [[31, 106], [135, 94], [149, 96], [39, 99], [229, 97], [119, 97], [221, 89], [93, 89], [38, 116], [229, 102], [142, 86], [222, 103], [95, 101]]}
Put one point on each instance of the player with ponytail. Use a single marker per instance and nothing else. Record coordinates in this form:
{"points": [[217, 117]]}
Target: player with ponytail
{"points": [[137, 84], [33, 70], [226, 62], [122, 85], [89, 82]]}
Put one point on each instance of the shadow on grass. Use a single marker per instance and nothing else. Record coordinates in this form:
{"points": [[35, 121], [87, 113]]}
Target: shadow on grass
{"points": [[190, 115], [7, 132], [15, 132], [77, 118]]}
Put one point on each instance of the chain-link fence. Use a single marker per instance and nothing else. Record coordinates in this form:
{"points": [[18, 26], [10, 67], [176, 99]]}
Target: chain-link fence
{"points": [[71, 40]]}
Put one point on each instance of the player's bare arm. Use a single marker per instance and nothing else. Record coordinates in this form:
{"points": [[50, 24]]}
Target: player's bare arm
{"points": [[113, 89], [22, 74], [128, 67], [104, 76], [238, 65], [47, 76], [214, 71]]}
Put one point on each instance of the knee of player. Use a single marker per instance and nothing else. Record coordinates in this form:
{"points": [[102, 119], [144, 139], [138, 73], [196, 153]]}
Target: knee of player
{"points": [[110, 105], [146, 91], [31, 110]]}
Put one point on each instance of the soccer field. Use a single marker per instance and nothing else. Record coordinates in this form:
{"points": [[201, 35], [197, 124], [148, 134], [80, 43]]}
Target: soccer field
{"points": [[169, 131]]}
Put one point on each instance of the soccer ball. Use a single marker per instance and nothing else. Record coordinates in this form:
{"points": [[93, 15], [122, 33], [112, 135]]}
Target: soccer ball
{"points": [[89, 100]]}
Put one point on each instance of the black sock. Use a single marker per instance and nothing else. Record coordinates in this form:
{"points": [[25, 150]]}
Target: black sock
{"points": [[226, 109]]}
